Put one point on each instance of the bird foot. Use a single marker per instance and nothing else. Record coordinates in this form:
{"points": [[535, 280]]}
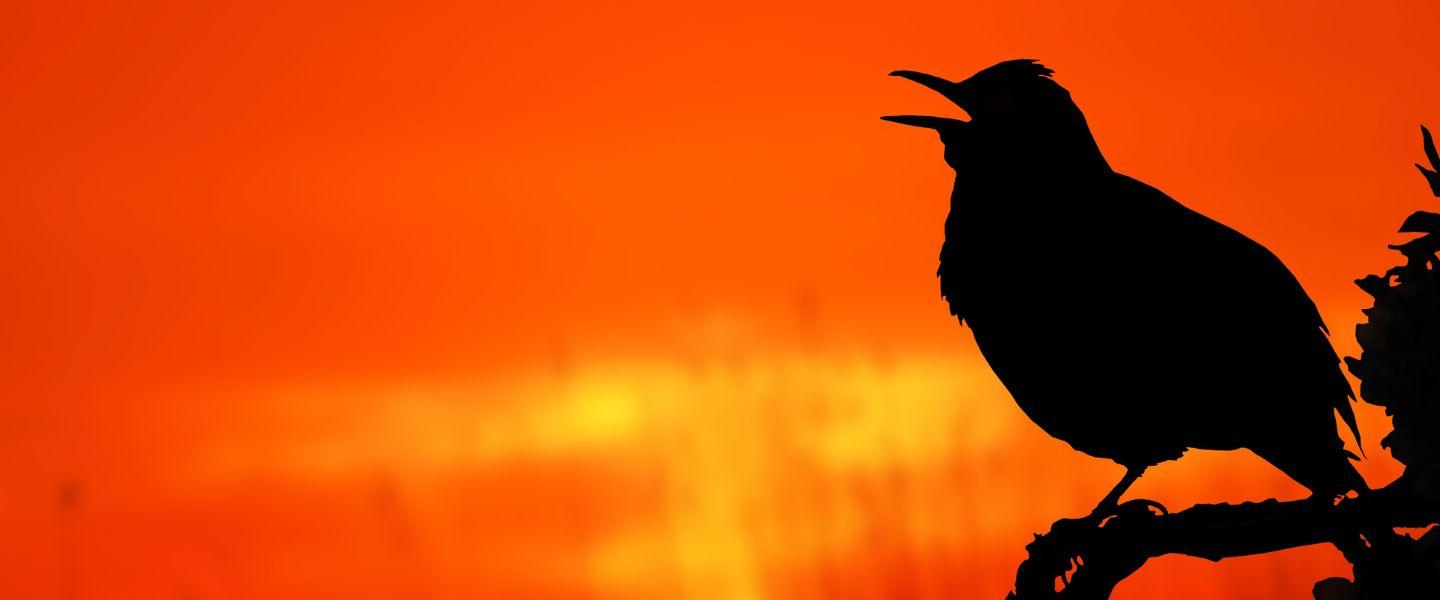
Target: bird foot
{"points": [[1079, 529], [1074, 547]]}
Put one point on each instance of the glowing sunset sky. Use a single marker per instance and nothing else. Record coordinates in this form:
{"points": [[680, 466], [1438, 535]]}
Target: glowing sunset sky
{"points": [[612, 301]]}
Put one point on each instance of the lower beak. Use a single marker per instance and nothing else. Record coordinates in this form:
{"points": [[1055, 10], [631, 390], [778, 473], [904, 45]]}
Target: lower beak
{"points": [[936, 123]]}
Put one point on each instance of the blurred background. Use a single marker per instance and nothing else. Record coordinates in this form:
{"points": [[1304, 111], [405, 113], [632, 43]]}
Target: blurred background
{"points": [[608, 300]]}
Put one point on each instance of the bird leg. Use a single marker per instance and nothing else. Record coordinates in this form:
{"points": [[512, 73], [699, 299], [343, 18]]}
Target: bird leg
{"points": [[1111, 502], [1066, 533]]}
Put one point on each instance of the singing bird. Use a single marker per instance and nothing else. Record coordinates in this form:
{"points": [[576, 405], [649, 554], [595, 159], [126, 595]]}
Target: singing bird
{"points": [[1122, 322]]}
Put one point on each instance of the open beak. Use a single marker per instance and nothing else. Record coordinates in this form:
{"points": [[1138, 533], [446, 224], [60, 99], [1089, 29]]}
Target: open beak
{"points": [[941, 85]]}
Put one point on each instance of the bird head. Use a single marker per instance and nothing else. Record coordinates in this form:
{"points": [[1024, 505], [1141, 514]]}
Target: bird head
{"points": [[1020, 118]]}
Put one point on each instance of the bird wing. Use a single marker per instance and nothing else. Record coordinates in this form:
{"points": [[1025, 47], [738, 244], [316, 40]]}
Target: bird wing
{"points": [[1232, 285]]}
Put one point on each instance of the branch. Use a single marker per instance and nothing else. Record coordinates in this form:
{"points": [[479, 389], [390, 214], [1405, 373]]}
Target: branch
{"points": [[1097, 557]]}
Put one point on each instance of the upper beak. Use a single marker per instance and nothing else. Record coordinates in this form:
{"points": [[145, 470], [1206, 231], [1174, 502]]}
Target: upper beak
{"points": [[944, 86]]}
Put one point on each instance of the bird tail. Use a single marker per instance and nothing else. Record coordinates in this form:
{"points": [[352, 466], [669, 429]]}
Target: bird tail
{"points": [[1320, 464], [1347, 414], [1354, 481], [1344, 396]]}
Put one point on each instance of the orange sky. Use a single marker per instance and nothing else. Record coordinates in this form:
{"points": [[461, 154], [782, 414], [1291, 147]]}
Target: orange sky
{"points": [[509, 300]]}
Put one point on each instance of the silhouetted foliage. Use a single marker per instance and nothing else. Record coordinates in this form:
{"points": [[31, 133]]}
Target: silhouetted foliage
{"points": [[1399, 370]]}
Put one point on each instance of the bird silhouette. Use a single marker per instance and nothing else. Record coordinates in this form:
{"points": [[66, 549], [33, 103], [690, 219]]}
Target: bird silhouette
{"points": [[1122, 322]]}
